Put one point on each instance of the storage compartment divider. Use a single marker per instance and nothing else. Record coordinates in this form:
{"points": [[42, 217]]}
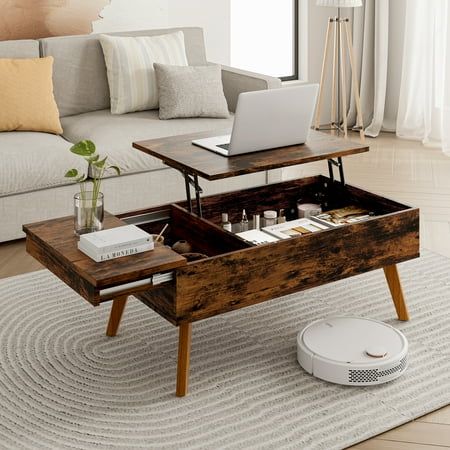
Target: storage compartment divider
{"points": [[237, 274]]}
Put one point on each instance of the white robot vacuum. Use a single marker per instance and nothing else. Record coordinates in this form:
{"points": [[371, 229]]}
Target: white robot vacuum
{"points": [[352, 351]]}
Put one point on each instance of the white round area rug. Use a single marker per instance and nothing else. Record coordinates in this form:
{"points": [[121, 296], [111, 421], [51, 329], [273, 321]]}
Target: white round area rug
{"points": [[65, 385]]}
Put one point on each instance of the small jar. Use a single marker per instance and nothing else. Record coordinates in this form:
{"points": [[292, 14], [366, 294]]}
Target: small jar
{"points": [[270, 218], [308, 209]]}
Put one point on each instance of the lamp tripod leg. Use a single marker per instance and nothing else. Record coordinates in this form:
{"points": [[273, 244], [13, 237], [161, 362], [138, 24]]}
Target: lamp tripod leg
{"points": [[343, 84], [322, 76], [333, 85], [359, 119]]}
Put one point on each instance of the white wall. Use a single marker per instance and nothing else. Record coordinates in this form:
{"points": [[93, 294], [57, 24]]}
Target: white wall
{"points": [[126, 15], [213, 16], [317, 26]]}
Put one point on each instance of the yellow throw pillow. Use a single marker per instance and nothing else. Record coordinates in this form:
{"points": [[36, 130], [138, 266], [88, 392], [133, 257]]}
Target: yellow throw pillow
{"points": [[26, 96]]}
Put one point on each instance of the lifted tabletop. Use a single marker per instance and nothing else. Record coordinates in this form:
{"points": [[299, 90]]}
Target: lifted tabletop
{"points": [[180, 153]]}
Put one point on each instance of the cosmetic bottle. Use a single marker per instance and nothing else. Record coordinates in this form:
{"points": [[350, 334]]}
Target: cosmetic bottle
{"points": [[244, 221], [281, 217], [256, 222], [226, 224]]}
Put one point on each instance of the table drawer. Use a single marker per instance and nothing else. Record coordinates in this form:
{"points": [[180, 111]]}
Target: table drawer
{"points": [[237, 274]]}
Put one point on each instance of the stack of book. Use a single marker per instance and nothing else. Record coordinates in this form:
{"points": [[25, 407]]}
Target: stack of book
{"points": [[115, 243]]}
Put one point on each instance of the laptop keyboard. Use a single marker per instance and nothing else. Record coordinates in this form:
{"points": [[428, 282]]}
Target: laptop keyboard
{"points": [[224, 146]]}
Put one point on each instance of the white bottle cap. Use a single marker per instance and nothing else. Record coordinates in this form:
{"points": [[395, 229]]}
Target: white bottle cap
{"points": [[224, 217], [270, 214]]}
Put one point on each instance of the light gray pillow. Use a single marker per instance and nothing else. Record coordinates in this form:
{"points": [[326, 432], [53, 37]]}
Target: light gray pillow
{"points": [[192, 91]]}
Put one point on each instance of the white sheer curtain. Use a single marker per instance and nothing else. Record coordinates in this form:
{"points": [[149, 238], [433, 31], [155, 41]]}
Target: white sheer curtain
{"points": [[407, 89], [423, 112]]}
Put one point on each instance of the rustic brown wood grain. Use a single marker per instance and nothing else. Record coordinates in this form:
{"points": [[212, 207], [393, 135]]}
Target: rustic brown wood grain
{"points": [[56, 264], [161, 299], [205, 236], [224, 283], [54, 244], [180, 153]]}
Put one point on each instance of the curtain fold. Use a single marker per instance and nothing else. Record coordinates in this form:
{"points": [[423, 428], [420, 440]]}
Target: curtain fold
{"points": [[418, 72], [371, 47], [423, 110]]}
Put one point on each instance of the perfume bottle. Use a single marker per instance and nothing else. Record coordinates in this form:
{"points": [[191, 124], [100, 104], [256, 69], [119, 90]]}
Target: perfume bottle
{"points": [[226, 224], [244, 221]]}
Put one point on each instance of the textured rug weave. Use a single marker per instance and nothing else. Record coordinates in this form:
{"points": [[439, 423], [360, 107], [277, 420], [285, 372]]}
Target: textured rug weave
{"points": [[64, 384]]}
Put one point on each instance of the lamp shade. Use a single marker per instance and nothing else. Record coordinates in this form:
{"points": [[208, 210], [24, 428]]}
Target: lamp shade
{"points": [[340, 3]]}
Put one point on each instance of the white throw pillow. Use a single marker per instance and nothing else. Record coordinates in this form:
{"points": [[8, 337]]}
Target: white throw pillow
{"points": [[129, 63]]}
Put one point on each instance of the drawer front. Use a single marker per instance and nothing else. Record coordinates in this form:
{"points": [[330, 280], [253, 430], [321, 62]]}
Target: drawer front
{"points": [[249, 276]]}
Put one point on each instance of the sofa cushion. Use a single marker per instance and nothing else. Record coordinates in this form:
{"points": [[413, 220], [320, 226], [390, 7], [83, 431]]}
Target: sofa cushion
{"points": [[190, 92], [113, 135], [129, 66], [26, 95], [25, 48], [79, 73], [31, 161]]}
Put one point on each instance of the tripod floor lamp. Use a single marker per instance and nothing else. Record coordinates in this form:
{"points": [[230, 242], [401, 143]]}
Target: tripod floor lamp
{"points": [[338, 36]]}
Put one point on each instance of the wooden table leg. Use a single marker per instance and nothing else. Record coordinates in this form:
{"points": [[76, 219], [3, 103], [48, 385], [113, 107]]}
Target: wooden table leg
{"points": [[395, 287], [184, 353], [118, 305]]}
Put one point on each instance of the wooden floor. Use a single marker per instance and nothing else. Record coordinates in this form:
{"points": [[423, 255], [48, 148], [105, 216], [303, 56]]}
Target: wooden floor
{"points": [[405, 171]]}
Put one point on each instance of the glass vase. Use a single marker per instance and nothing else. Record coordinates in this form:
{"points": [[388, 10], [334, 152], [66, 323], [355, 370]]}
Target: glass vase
{"points": [[89, 212]]}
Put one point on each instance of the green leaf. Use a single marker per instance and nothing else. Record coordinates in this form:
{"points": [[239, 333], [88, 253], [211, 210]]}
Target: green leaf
{"points": [[115, 168], [72, 173], [92, 159], [81, 178], [100, 164], [83, 148]]}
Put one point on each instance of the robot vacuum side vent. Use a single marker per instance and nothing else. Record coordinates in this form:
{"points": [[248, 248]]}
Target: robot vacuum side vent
{"points": [[374, 375]]}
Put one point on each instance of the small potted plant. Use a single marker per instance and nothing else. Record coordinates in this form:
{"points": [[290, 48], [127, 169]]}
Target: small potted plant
{"points": [[88, 203]]}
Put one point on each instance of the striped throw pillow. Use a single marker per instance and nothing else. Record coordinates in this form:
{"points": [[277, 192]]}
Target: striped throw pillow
{"points": [[129, 64]]}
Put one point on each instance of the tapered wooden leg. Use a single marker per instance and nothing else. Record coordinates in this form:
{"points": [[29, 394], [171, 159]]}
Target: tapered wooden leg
{"points": [[322, 76], [117, 308], [184, 354], [395, 287]]}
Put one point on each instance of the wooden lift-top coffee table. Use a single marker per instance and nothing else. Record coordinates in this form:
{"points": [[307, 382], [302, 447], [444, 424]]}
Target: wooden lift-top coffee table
{"points": [[235, 273]]}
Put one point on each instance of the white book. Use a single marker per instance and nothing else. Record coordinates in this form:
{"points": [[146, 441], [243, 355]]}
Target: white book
{"points": [[257, 237], [159, 278], [116, 253], [294, 228], [118, 238]]}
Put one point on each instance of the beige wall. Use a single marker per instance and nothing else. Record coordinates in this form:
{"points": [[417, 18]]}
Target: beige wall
{"points": [[21, 19]]}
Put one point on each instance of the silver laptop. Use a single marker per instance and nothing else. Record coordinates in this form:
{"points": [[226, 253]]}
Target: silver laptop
{"points": [[267, 119]]}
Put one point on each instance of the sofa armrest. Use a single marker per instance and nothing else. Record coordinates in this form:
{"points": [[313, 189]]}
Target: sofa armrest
{"points": [[236, 81]]}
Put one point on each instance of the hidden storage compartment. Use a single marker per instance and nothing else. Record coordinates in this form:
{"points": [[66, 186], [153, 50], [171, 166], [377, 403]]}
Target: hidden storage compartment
{"points": [[285, 196], [236, 274], [205, 238], [252, 275]]}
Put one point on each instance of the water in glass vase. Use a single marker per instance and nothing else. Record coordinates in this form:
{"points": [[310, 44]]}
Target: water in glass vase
{"points": [[89, 212]]}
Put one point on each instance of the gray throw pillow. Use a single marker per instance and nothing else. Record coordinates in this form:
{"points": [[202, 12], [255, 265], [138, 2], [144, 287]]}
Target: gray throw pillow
{"points": [[192, 91]]}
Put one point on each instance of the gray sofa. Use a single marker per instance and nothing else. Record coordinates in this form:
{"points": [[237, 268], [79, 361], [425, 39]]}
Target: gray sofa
{"points": [[32, 165]]}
